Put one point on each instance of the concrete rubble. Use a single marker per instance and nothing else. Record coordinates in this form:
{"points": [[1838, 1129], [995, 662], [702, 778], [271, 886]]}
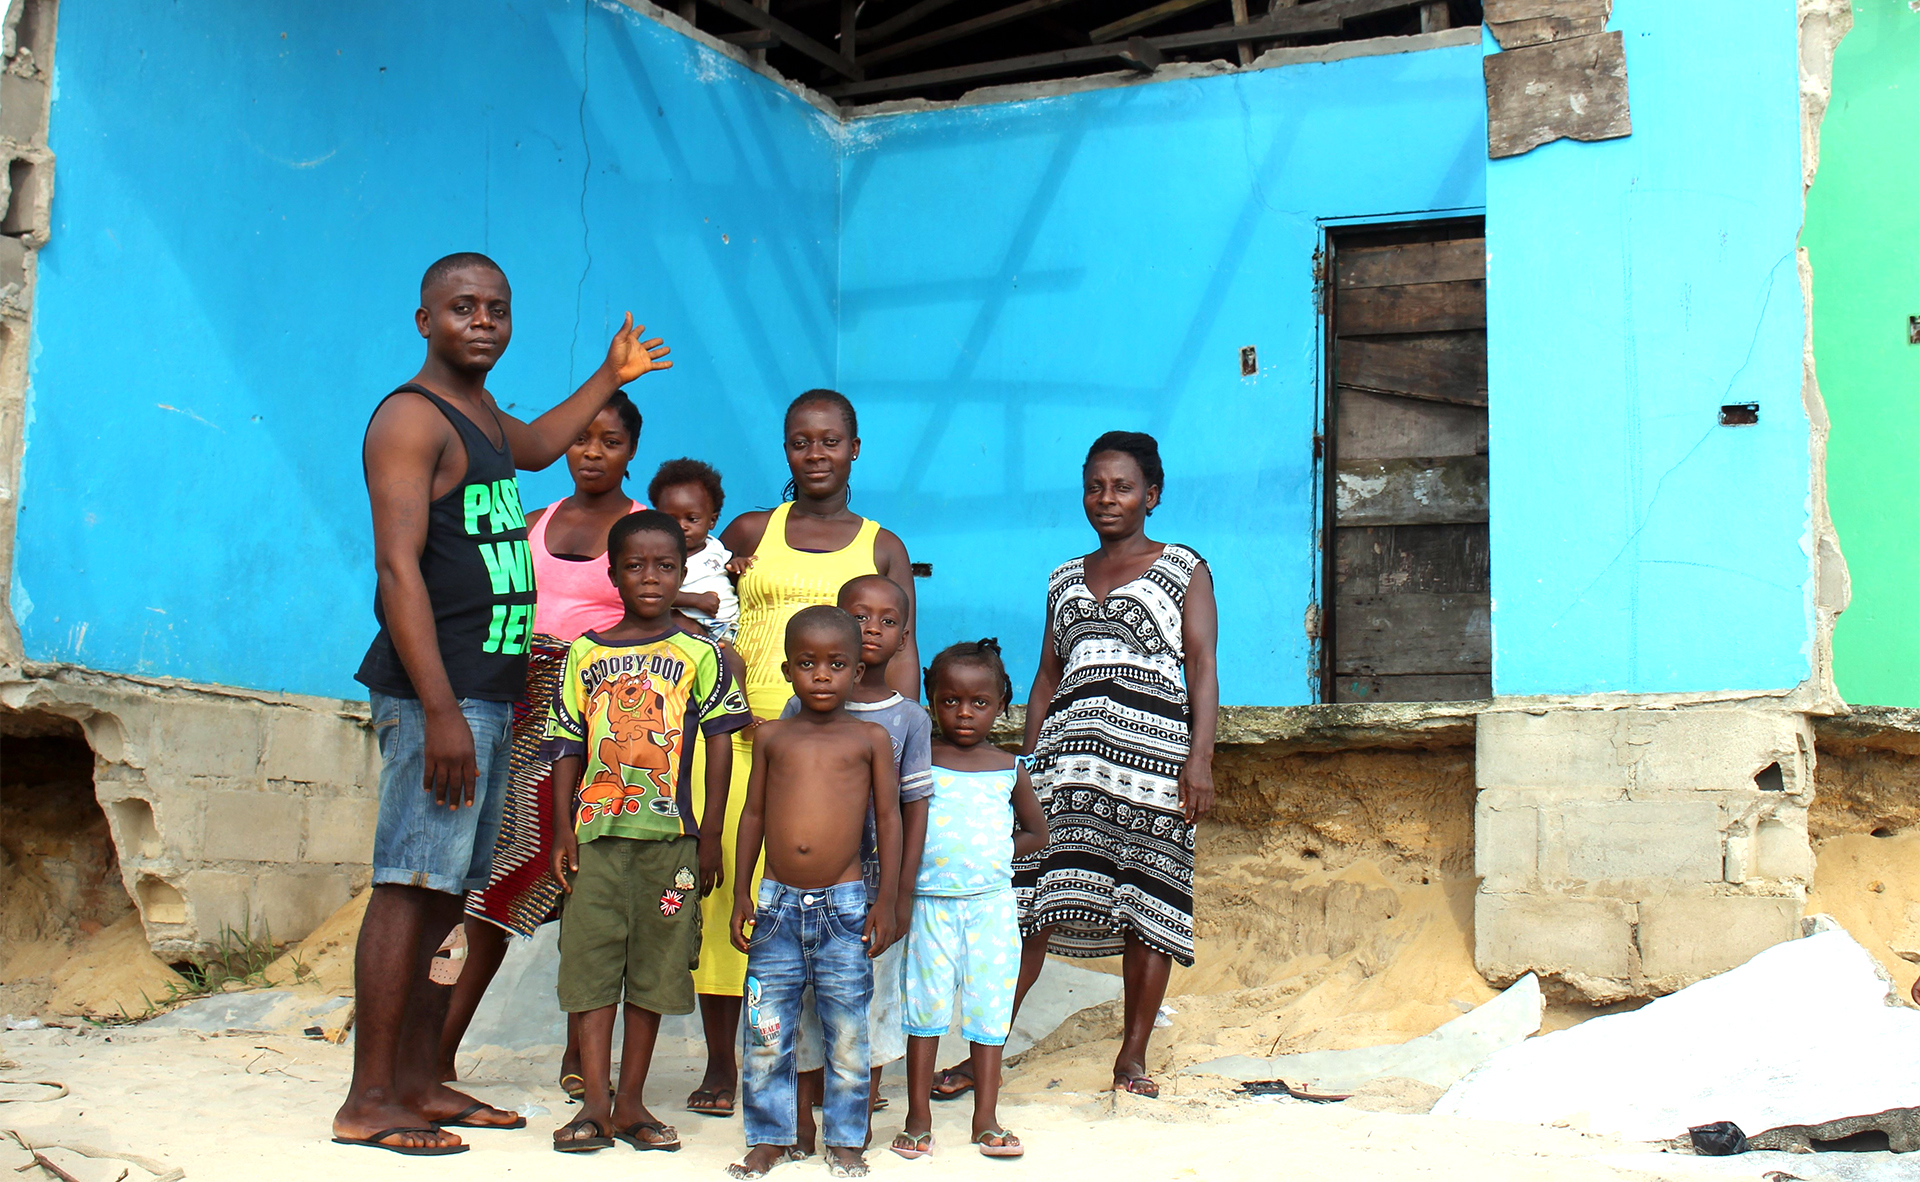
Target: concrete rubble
{"points": [[1807, 1033], [1439, 1059]]}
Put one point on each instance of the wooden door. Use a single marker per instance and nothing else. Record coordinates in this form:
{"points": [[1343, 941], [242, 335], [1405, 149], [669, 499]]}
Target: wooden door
{"points": [[1407, 466]]}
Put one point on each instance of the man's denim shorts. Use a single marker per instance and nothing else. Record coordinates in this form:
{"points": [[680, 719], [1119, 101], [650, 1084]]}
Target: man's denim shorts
{"points": [[417, 842]]}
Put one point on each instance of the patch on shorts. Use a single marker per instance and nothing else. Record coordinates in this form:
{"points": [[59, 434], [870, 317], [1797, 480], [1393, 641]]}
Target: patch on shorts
{"points": [[665, 806], [683, 879], [671, 901], [764, 1025]]}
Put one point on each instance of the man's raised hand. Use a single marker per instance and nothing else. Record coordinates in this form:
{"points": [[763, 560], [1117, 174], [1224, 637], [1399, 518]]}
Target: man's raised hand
{"points": [[628, 356]]}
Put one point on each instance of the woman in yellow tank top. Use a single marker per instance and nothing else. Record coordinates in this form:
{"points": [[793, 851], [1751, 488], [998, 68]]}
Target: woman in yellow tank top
{"points": [[796, 555]]}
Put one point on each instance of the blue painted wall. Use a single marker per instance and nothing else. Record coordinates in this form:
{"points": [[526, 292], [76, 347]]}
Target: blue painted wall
{"points": [[245, 202], [247, 194], [1018, 278], [1634, 287]]}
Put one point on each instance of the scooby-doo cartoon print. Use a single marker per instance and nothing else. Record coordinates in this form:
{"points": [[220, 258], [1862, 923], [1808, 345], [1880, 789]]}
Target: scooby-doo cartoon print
{"points": [[638, 740]]}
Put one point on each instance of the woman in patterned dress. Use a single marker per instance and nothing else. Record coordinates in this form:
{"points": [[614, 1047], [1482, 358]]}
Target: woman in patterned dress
{"points": [[1120, 727]]}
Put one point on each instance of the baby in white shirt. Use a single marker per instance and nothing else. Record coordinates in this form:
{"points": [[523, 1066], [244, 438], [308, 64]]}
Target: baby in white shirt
{"points": [[689, 492]]}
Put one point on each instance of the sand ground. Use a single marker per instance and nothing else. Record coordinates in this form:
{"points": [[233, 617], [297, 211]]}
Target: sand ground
{"points": [[254, 1107]]}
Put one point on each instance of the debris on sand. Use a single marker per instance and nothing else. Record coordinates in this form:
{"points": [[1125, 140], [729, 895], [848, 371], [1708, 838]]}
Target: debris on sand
{"points": [[1807, 1033], [1439, 1059]]}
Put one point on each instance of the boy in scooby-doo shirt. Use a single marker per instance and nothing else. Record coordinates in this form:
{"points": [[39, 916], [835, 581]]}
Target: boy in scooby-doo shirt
{"points": [[628, 850]]}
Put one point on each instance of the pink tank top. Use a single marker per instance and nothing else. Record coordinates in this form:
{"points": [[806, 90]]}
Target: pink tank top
{"points": [[575, 597]]}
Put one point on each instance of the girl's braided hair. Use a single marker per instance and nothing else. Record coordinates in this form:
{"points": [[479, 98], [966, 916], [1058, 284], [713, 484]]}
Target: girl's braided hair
{"points": [[984, 653]]}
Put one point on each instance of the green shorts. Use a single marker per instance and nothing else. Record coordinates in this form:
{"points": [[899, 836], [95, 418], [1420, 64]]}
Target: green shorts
{"points": [[632, 926]]}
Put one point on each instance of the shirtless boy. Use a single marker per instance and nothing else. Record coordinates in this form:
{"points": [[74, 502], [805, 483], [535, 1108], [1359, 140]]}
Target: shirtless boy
{"points": [[814, 777], [455, 605]]}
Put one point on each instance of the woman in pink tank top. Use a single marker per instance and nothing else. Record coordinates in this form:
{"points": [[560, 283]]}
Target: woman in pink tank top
{"points": [[569, 543]]}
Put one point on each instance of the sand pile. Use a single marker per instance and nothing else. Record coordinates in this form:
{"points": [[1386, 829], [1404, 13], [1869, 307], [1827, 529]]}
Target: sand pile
{"points": [[70, 940], [1336, 959], [324, 959], [1871, 885]]}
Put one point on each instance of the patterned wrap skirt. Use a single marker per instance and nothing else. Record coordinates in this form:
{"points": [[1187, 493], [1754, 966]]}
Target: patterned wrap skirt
{"points": [[521, 892]]}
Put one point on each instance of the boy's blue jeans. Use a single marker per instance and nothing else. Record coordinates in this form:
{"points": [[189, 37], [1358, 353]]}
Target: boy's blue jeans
{"points": [[801, 939]]}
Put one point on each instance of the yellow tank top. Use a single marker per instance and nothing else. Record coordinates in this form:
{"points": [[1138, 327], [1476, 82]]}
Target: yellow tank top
{"points": [[780, 582]]}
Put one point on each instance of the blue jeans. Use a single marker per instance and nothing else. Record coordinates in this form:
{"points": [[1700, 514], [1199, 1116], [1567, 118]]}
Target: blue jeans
{"points": [[417, 842], [803, 938]]}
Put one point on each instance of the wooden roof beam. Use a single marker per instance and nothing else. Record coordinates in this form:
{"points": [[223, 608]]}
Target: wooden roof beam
{"points": [[964, 28], [1146, 18], [789, 36], [1317, 16]]}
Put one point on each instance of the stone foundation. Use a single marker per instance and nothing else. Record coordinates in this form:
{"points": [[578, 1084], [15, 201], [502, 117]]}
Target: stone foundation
{"points": [[229, 810], [1631, 851]]}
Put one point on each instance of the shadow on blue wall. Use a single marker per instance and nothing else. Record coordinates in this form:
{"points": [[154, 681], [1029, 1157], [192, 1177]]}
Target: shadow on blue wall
{"points": [[246, 201], [1018, 278]]}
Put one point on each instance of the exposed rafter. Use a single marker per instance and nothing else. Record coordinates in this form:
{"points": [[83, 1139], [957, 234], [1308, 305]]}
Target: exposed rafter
{"points": [[790, 37], [1140, 53]]}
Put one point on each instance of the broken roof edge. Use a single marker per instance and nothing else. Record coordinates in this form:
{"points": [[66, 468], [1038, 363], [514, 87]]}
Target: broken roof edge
{"points": [[737, 55], [1014, 92]]}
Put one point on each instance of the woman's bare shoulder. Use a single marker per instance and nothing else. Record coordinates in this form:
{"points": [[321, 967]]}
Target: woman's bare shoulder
{"points": [[742, 535]]}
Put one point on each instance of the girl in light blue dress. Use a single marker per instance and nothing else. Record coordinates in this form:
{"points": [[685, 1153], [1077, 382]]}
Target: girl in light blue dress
{"points": [[964, 938]]}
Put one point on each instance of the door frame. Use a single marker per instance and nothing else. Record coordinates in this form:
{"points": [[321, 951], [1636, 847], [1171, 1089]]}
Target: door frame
{"points": [[1331, 232]]}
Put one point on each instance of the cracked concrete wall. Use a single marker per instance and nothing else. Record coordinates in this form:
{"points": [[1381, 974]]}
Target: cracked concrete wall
{"points": [[26, 193], [1627, 850], [229, 809]]}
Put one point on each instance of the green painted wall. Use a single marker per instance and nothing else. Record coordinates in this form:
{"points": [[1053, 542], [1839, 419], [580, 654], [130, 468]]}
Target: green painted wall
{"points": [[1863, 238]]}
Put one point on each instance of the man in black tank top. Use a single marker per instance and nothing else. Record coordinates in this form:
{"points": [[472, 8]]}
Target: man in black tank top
{"points": [[455, 607]]}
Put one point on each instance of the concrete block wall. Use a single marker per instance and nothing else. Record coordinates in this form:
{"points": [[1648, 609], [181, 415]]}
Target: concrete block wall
{"points": [[251, 812], [1630, 851]]}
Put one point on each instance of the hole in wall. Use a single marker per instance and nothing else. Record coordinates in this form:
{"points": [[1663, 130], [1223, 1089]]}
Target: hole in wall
{"points": [[1740, 414], [59, 871], [1770, 779], [23, 178], [160, 902], [1869, 1141], [133, 818]]}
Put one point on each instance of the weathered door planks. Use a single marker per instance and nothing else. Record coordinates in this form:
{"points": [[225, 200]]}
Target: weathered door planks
{"points": [[1409, 596]]}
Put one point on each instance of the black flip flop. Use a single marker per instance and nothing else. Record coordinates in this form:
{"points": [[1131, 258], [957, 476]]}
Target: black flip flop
{"points": [[711, 1106], [631, 1135], [599, 1140], [378, 1141], [459, 1120]]}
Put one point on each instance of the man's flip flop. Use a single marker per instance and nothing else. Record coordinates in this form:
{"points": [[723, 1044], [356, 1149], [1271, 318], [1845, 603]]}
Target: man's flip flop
{"points": [[1139, 1085], [460, 1121], [578, 1144], [950, 1077], [574, 1085], [669, 1140], [1009, 1144], [379, 1141], [707, 1102], [912, 1145]]}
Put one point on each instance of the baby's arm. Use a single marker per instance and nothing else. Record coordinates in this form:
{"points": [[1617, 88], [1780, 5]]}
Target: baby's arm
{"points": [[1031, 836], [752, 830], [883, 923], [704, 602], [566, 843]]}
